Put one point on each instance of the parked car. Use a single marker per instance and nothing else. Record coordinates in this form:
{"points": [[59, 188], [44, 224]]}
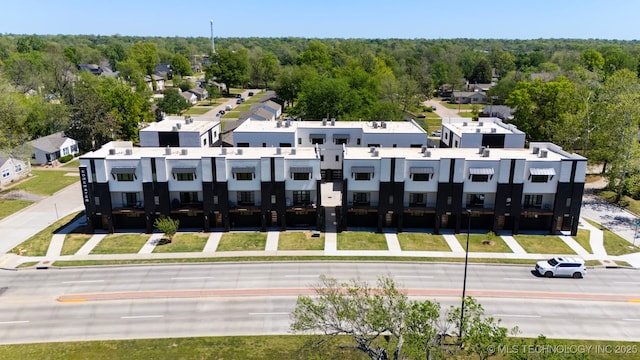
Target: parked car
{"points": [[228, 108], [250, 93], [421, 116], [239, 101], [562, 266], [433, 108], [437, 133], [238, 96]]}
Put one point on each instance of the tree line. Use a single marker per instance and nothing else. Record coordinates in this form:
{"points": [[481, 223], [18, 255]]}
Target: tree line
{"points": [[580, 94]]}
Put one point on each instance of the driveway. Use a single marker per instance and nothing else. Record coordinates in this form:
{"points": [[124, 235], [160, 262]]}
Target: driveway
{"points": [[441, 110]]}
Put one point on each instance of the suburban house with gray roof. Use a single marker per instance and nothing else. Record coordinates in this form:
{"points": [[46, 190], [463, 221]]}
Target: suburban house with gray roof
{"points": [[52, 147], [12, 170]]}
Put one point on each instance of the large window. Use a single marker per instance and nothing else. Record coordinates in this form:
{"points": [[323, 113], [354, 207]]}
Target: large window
{"points": [[362, 172], [302, 197], [539, 178], [188, 197], [184, 176], [360, 198], [124, 177], [130, 199], [479, 178], [421, 177], [244, 176], [475, 200], [362, 176], [532, 201], [417, 199], [301, 176], [246, 198]]}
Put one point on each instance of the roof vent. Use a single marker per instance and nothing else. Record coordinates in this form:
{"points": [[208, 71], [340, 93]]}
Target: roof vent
{"points": [[287, 123], [112, 151], [485, 153], [376, 153], [427, 153], [372, 149], [481, 149], [423, 149], [239, 151], [293, 151], [174, 128], [480, 123], [543, 153], [464, 123], [278, 124], [167, 151], [374, 124], [223, 151], [278, 151], [128, 151], [536, 150], [184, 151], [383, 124], [494, 130], [478, 130], [333, 121], [179, 126], [324, 121]]}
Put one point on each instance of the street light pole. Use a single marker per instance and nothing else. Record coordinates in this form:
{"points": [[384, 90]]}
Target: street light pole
{"points": [[464, 281]]}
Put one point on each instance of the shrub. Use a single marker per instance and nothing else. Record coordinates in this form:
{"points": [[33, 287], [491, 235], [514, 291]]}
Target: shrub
{"points": [[66, 158]]}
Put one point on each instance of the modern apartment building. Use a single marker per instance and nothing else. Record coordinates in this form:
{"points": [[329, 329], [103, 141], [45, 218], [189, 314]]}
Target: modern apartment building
{"points": [[487, 132], [539, 188], [205, 188]]}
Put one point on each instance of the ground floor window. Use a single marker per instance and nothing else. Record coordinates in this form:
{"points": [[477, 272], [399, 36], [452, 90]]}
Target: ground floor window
{"points": [[302, 197], [360, 198], [416, 199], [130, 199], [246, 198], [475, 200], [533, 201], [188, 197]]}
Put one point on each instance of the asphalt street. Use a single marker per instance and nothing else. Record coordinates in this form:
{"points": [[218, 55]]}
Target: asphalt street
{"points": [[257, 298]]}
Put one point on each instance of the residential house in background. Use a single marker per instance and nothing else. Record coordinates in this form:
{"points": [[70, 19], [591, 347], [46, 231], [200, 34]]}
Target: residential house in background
{"points": [[159, 82], [164, 71], [486, 132], [469, 97], [501, 112], [190, 97], [178, 131], [52, 147], [200, 93], [12, 170]]}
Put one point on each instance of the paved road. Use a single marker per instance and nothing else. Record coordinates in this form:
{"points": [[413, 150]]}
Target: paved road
{"points": [[441, 110], [256, 298]]}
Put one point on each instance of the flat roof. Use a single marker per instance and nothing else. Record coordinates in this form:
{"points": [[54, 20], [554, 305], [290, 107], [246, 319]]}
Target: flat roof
{"points": [[199, 124], [490, 125], [120, 152], [554, 153], [368, 127]]}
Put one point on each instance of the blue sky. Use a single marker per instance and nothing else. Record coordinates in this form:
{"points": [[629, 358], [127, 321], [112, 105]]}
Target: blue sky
{"points": [[408, 19]]}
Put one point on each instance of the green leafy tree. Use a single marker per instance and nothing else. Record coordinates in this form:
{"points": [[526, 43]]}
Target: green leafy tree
{"points": [[325, 97], [229, 67], [592, 60], [180, 65], [12, 117], [167, 226], [317, 56], [128, 108], [173, 103], [146, 55], [115, 52], [481, 73], [289, 82], [264, 68]]}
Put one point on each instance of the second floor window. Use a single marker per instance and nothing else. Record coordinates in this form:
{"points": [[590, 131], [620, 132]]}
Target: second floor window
{"points": [[124, 177], [244, 176], [184, 177]]}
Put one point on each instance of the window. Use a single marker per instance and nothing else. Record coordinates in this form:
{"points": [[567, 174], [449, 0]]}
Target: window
{"points": [[340, 141], [243, 144], [188, 197], [449, 200], [5, 173], [337, 158], [245, 198], [362, 176], [96, 200], [421, 177], [302, 197], [130, 199], [480, 178], [475, 200], [317, 140], [301, 176], [508, 202], [74, 148], [299, 141], [539, 178], [358, 141], [321, 157], [215, 199], [184, 176], [360, 198], [156, 200], [244, 176], [124, 177], [204, 142], [274, 199], [567, 203], [416, 199], [446, 136], [65, 151], [533, 201]]}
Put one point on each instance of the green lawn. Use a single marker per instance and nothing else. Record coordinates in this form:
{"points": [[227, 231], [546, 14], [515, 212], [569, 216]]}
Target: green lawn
{"points": [[197, 111], [73, 243], [360, 240], [38, 244], [47, 182], [583, 239], [8, 207], [627, 202], [613, 243], [430, 124], [300, 240], [183, 242], [265, 348], [121, 244], [75, 163], [422, 242], [476, 243], [543, 244], [242, 241]]}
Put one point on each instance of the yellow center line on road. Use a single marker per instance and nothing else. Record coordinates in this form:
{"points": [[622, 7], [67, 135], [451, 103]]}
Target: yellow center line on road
{"points": [[634, 301]]}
